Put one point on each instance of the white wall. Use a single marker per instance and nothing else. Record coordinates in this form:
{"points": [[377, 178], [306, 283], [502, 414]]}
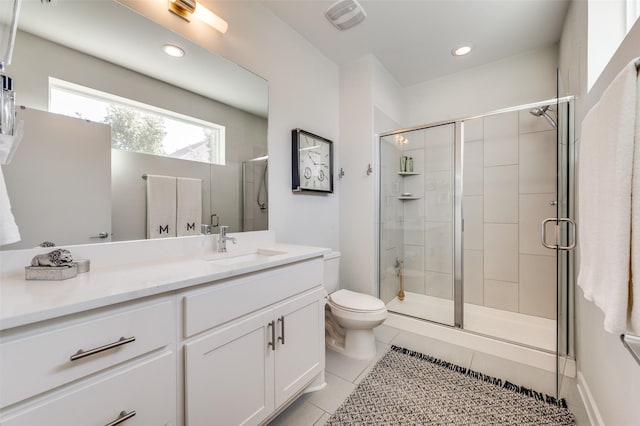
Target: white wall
{"points": [[602, 14], [370, 104], [608, 376], [387, 98], [303, 92], [517, 80], [357, 210]]}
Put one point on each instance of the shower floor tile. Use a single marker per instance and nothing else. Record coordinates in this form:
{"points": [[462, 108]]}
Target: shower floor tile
{"points": [[511, 326]]}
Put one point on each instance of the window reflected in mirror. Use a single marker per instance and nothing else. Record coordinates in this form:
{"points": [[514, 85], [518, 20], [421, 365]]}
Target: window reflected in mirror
{"points": [[139, 127]]}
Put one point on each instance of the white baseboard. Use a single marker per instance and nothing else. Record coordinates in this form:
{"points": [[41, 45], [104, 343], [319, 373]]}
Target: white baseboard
{"points": [[317, 384], [588, 401], [524, 355]]}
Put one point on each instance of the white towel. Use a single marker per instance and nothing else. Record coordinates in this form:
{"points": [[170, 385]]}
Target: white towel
{"points": [[189, 211], [604, 185], [8, 229], [161, 206]]}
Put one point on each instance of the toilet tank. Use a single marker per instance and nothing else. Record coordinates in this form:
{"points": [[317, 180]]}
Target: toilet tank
{"points": [[331, 271]]}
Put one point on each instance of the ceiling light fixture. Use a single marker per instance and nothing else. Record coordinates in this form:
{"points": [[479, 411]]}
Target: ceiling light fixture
{"points": [[173, 50], [461, 50], [345, 14], [186, 8]]}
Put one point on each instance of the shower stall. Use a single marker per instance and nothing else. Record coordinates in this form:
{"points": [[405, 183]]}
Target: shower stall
{"points": [[475, 225], [255, 194]]}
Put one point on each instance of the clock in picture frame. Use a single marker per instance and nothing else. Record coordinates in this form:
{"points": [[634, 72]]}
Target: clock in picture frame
{"points": [[311, 162]]}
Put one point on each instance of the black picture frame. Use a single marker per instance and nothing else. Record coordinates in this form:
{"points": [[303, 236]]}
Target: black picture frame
{"points": [[296, 177]]}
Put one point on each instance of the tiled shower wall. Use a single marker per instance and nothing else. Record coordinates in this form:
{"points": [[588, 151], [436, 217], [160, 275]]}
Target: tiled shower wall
{"points": [[420, 230], [509, 184]]}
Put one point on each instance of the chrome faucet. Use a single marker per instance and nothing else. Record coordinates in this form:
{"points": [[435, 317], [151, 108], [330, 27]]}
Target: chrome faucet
{"points": [[222, 239]]}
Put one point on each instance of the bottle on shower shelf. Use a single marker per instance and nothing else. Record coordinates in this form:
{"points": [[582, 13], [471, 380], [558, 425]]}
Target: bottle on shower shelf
{"points": [[7, 113]]}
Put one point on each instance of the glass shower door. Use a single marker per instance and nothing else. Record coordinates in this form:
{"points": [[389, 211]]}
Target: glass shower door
{"points": [[417, 222], [460, 230], [509, 187], [567, 237]]}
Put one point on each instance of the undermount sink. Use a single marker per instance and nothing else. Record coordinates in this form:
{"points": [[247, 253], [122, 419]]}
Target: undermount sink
{"points": [[256, 256]]}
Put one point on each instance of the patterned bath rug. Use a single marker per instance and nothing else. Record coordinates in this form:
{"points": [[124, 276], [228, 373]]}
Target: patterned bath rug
{"points": [[410, 388]]}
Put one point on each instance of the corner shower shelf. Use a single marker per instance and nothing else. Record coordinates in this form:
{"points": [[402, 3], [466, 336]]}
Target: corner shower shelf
{"points": [[409, 198], [408, 173]]}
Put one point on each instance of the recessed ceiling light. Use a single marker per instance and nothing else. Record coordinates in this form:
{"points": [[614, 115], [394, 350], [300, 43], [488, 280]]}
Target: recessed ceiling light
{"points": [[173, 50], [461, 50]]}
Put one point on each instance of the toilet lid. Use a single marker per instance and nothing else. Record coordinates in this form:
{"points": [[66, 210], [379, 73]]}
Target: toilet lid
{"points": [[353, 301]]}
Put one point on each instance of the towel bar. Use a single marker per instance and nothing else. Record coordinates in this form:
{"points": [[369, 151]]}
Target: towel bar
{"points": [[632, 343]]}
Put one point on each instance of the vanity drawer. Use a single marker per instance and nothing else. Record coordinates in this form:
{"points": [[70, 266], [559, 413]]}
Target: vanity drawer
{"points": [[40, 360], [223, 302], [147, 388]]}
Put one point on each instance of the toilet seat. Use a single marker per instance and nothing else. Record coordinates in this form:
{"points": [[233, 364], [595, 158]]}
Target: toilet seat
{"points": [[358, 319], [351, 301]]}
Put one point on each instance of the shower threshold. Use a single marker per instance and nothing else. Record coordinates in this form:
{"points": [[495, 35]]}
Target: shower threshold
{"points": [[513, 327]]}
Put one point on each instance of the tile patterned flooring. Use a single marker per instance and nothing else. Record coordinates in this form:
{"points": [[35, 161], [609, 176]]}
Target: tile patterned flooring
{"points": [[343, 375]]}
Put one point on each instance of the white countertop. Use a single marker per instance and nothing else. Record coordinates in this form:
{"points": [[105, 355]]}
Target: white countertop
{"points": [[24, 302]]}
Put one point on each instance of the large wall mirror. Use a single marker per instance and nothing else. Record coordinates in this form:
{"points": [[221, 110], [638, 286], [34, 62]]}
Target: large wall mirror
{"points": [[67, 185]]}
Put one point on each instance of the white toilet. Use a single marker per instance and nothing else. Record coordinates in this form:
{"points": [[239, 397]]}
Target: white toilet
{"points": [[350, 317]]}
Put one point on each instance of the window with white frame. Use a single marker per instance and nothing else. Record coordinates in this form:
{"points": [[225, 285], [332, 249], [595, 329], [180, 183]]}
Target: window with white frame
{"points": [[632, 13], [609, 21], [139, 127]]}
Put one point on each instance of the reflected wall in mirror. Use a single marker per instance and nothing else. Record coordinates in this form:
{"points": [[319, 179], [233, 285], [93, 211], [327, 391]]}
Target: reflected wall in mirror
{"points": [[103, 45]]}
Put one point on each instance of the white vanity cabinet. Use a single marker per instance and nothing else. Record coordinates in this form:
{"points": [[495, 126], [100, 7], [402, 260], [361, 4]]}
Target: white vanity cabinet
{"points": [[93, 368], [299, 348], [248, 362], [186, 343]]}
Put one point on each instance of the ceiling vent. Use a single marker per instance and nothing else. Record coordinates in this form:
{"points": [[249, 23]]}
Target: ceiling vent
{"points": [[345, 14]]}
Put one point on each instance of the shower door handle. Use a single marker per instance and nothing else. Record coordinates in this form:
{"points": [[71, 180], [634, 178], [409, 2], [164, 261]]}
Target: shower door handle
{"points": [[556, 233], [543, 234], [573, 234]]}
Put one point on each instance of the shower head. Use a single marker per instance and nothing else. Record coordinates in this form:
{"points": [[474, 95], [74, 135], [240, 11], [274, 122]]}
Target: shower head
{"points": [[542, 112], [539, 111]]}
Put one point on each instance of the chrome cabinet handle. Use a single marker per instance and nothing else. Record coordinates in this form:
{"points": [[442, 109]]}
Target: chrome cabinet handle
{"points": [[556, 233], [272, 343], [82, 353], [281, 337], [122, 417], [101, 235]]}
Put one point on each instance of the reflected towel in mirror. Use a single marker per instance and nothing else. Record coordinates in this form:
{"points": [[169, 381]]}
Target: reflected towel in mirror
{"points": [[161, 206], [189, 206], [8, 229]]}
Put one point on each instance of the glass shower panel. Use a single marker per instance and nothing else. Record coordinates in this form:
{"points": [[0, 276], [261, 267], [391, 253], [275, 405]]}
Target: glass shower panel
{"points": [[416, 227], [565, 209], [509, 188]]}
